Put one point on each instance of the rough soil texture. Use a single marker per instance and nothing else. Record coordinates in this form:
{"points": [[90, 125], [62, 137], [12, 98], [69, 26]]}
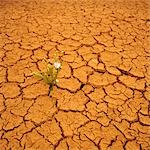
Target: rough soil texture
{"points": [[102, 101]]}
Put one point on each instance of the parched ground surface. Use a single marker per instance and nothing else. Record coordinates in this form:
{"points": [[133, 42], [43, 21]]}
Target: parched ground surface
{"points": [[102, 101]]}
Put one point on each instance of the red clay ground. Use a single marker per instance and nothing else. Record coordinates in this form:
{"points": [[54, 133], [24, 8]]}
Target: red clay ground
{"points": [[102, 101]]}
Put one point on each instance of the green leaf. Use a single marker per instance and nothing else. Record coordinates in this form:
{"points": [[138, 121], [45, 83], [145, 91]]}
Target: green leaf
{"points": [[37, 74], [45, 78], [49, 69], [55, 72]]}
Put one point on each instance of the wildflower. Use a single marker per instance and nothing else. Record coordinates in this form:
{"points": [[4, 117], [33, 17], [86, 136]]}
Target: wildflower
{"points": [[57, 80], [57, 65]]}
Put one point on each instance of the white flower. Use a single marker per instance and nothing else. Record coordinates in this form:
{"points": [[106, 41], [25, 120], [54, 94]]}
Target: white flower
{"points": [[57, 65], [57, 80]]}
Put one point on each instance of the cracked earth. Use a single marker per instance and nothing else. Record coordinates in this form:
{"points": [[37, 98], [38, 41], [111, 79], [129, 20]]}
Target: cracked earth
{"points": [[102, 101]]}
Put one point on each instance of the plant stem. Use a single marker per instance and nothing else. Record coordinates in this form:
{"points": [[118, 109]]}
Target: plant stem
{"points": [[50, 89]]}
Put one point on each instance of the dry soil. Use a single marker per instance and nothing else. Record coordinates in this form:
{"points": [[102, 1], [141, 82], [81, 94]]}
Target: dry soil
{"points": [[102, 101]]}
